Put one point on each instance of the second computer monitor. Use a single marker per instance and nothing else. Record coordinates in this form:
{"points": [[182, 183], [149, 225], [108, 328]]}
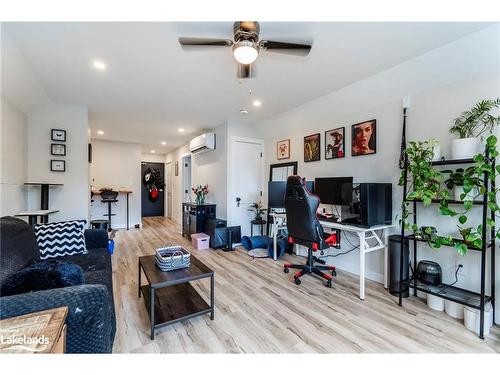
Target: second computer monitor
{"points": [[329, 189]]}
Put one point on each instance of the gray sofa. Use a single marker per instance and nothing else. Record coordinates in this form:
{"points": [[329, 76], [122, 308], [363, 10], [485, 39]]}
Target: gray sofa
{"points": [[91, 320]]}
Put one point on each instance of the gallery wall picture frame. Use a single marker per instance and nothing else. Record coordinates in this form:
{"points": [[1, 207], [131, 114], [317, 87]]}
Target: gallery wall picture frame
{"points": [[57, 166], [312, 147], [58, 135], [283, 149], [335, 143], [57, 149], [364, 138]]}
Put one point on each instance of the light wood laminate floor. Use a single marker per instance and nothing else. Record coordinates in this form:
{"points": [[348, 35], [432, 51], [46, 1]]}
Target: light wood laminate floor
{"points": [[259, 309]]}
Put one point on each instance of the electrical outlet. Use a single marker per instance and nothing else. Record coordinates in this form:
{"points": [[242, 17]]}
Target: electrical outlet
{"points": [[462, 270]]}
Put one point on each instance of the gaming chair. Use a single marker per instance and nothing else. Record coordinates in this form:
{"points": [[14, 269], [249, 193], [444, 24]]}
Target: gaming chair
{"points": [[304, 229]]}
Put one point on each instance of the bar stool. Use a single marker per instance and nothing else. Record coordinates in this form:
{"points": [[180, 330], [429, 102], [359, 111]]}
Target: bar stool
{"points": [[99, 224], [109, 196]]}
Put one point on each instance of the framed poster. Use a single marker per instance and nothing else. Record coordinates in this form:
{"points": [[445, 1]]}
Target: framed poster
{"points": [[58, 166], [335, 143], [312, 147], [283, 149], [58, 149], [364, 138], [58, 135]]}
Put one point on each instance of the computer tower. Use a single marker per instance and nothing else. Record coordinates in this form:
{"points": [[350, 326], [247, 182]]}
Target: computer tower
{"points": [[367, 204], [216, 229]]}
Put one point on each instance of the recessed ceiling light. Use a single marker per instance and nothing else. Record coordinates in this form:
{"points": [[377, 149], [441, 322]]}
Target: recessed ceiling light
{"points": [[243, 111], [100, 132], [153, 151], [163, 143], [99, 65], [181, 130], [257, 103]]}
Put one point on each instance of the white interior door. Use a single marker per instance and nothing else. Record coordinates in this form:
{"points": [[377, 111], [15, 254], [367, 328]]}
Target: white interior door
{"points": [[246, 182], [169, 190]]}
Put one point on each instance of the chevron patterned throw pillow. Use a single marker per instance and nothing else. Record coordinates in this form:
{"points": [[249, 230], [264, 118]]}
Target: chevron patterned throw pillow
{"points": [[60, 238]]}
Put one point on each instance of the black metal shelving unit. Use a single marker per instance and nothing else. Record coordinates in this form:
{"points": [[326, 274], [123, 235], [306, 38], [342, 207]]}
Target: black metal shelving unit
{"points": [[465, 297]]}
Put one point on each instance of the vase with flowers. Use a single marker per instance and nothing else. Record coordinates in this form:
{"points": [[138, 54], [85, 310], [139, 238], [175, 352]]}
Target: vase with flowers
{"points": [[200, 192]]}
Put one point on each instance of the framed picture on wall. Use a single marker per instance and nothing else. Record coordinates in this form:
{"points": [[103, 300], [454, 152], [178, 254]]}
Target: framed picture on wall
{"points": [[58, 135], [58, 149], [283, 149], [312, 147], [58, 166], [335, 143], [364, 138]]}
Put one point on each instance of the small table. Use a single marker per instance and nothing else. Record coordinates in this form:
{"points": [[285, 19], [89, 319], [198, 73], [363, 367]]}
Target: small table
{"points": [[33, 215], [259, 223], [35, 328], [169, 297], [44, 195]]}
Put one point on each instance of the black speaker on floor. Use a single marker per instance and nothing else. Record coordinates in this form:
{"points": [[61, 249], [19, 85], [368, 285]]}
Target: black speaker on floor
{"points": [[216, 229], [394, 262]]}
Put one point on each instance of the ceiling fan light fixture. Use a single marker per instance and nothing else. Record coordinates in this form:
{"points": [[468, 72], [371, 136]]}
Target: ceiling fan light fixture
{"points": [[245, 52]]}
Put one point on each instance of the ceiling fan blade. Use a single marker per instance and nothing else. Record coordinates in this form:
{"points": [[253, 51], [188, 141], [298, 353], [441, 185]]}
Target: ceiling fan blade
{"points": [[245, 71], [205, 42], [285, 47]]}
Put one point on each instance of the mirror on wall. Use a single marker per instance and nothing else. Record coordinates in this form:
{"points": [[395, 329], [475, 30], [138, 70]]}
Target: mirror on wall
{"points": [[281, 171]]}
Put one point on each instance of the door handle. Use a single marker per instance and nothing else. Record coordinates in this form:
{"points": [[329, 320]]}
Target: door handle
{"points": [[238, 200]]}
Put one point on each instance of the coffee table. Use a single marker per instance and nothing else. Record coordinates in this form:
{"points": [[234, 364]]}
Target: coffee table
{"points": [[169, 297]]}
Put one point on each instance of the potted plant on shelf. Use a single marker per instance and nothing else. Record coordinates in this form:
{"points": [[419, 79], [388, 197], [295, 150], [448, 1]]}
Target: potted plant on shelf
{"points": [[460, 177], [258, 210], [200, 192], [470, 127]]}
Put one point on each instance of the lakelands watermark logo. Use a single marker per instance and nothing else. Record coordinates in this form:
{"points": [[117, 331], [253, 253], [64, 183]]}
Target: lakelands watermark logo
{"points": [[26, 342]]}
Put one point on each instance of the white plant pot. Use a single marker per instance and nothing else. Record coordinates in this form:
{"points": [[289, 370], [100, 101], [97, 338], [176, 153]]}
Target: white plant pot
{"points": [[435, 302], [472, 319], [437, 153], [459, 190], [464, 148], [453, 309]]}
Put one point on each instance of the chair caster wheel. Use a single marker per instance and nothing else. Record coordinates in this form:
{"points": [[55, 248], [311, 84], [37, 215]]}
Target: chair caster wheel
{"points": [[286, 270], [329, 284], [297, 281]]}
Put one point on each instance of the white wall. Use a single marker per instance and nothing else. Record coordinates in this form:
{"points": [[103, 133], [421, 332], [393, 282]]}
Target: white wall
{"points": [[442, 83], [72, 199], [153, 158], [177, 195], [13, 142], [117, 165]]}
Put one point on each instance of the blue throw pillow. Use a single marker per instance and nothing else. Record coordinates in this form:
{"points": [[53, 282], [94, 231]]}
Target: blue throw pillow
{"points": [[50, 274]]}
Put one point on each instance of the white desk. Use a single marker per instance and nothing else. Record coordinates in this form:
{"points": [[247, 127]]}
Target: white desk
{"points": [[368, 241]]}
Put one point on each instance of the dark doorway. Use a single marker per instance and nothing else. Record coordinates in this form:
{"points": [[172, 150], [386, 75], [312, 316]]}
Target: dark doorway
{"points": [[152, 177]]}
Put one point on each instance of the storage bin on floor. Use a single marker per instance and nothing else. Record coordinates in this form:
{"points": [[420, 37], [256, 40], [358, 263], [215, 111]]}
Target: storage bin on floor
{"points": [[200, 241]]}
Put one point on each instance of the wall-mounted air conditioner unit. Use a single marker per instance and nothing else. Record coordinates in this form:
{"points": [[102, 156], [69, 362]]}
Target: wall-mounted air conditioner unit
{"points": [[202, 143]]}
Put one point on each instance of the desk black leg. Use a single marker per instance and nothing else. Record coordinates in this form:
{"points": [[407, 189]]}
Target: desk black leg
{"points": [[127, 211], [152, 315], [44, 201], [212, 296], [32, 219]]}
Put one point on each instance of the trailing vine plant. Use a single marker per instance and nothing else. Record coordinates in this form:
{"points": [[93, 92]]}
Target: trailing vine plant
{"points": [[424, 183]]}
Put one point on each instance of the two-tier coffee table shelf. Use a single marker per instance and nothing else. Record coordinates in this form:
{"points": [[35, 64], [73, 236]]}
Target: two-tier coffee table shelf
{"points": [[169, 297]]}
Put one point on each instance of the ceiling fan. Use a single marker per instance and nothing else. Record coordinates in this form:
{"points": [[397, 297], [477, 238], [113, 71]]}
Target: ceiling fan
{"points": [[247, 46]]}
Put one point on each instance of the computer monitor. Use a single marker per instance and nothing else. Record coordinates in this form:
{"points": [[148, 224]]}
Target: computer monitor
{"points": [[329, 189], [276, 193]]}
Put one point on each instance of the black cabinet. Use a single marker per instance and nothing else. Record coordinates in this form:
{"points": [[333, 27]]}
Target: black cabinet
{"points": [[194, 217]]}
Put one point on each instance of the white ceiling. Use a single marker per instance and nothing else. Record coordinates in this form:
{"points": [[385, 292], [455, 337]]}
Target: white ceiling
{"points": [[152, 86]]}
